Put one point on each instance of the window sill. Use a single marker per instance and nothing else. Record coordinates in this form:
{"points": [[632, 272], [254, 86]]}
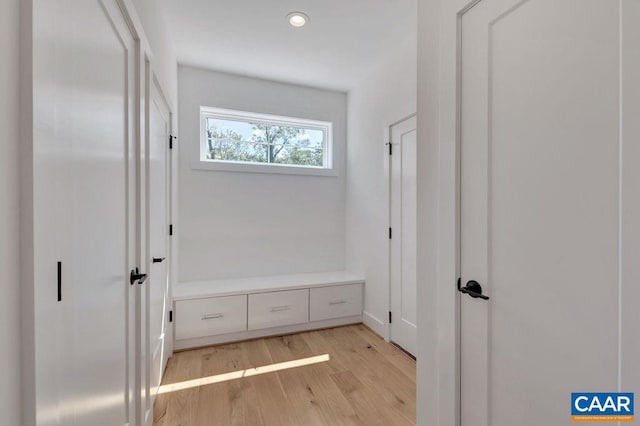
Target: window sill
{"points": [[262, 168]]}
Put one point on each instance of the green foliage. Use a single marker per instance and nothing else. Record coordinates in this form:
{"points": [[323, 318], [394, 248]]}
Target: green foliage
{"points": [[268, 144], [229, 146]]}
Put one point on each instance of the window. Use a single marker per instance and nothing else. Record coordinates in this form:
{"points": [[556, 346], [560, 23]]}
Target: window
{"points": [[243, 141]]}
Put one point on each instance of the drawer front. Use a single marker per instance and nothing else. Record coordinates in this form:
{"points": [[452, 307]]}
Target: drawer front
{"points": [[278, 308], [210, 316], [335, 302]]}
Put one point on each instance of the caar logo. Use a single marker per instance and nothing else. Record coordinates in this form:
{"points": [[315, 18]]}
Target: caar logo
{"points": [[602, 407]]}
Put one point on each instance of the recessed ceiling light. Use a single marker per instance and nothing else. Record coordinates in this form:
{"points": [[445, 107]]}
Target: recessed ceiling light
{"points": [[297, 19]]}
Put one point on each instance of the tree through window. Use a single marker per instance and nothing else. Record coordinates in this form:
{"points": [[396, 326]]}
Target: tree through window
{"points": [[232, 136]]}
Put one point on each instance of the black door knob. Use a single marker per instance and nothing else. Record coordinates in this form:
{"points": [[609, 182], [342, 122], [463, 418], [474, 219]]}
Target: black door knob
{"points": [[137, 277], [473, 289]]}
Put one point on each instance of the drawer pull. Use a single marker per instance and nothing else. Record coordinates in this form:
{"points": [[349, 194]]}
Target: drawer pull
{"points": [[338, 302], [280, 308], [212, 316]]}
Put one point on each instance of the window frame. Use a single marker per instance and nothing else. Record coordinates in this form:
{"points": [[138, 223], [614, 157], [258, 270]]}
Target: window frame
{"points": [[202, 163]]}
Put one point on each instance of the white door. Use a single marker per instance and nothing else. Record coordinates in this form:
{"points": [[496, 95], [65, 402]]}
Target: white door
{"points": [[84, 148], [403, 235], [550, 195], [158, 214]]}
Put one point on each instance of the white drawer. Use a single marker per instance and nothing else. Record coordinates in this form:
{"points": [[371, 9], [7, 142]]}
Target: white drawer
{"points": [[335, 302], [278, 308], [210, 316]]}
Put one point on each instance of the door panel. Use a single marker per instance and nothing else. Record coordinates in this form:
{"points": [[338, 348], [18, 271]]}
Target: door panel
{"points": [[100, 186], [85, 212], [94, 78], [51, 224], [158, 208], [403, 241], [540, 147]]}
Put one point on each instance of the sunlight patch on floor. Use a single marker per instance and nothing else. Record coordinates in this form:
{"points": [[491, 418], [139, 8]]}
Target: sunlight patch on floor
{"points": [[233, 375]]}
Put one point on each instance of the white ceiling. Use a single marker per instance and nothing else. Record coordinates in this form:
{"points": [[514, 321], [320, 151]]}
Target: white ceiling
{"points": [[343, 39]]}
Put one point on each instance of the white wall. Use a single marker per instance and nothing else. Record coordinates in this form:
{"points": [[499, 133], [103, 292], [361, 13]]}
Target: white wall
{"points": [[9, 215], [385, 96], [251, 224]]}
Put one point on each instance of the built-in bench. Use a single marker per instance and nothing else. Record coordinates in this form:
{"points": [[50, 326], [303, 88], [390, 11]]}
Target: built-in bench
{"points": [[220, 311]]}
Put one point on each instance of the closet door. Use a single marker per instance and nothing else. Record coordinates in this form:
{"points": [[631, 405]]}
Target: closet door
{"points": [[549, 201], [103, 77], [84, 92]]}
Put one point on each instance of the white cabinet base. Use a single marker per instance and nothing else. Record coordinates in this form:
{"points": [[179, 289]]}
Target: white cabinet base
{"points": [[255, 334], [335, 302], [210, 316], [278, 309], [266, 306]]}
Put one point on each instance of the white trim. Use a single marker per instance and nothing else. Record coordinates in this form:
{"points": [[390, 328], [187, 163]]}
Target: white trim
{"points": [[394, 124], [142, 52], [135, 25], [387, 174], [276, 331], [376, 324], [329, 160], [438, 367], [280, 169]]}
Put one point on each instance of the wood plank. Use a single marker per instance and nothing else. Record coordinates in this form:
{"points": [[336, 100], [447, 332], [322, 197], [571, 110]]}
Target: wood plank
{"points": [[373, 369], [275, 406], [228, 402], [394, 355], [368, 405], [213, 400], [358, 354], [162, 400], [182, 405], [315, 397], [365, 382]]}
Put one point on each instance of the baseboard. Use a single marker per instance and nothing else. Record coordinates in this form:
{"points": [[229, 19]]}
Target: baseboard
{"points": [[378, 326], [255, 334]]}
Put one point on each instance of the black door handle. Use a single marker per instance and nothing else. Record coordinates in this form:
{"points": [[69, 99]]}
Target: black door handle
{"points": [[158, 259], [473, 289], [137, 277]]}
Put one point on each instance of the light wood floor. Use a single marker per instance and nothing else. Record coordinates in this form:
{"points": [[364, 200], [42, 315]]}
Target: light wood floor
{"points": [[366, 381]]}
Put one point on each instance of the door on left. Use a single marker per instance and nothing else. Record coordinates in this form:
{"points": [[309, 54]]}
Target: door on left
{"points": [[403, 249], [85, 212]]}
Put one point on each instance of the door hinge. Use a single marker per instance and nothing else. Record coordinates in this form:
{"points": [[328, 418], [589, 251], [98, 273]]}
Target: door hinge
{"points": [[59, 281], [171, 138], [390, 318], [170, 316], [390, 148], [170, 230], [390, 233]]}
